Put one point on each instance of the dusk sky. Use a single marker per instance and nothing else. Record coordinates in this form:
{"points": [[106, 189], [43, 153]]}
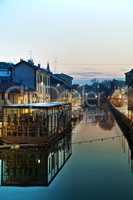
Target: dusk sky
{"points": [[87, 38]]}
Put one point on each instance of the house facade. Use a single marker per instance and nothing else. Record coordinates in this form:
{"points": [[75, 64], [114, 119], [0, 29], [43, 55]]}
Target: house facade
{"points": [[35, 80], [24, 82]]}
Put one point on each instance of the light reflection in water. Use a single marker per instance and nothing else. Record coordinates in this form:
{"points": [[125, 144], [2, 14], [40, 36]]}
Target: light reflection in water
{"points": [[99, 125], [100, 165], [34, 167]]}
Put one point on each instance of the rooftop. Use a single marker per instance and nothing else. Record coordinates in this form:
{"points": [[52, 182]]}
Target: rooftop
{"points": [[6, 65], [31, 64], [131, 71]]}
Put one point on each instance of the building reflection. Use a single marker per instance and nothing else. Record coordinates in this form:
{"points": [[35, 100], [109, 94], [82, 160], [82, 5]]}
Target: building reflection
{"points": [[101, 117], [106, 122], [34, 167]]}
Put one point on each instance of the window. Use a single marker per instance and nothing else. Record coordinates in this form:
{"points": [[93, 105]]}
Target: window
{"points": [[5, 73]]}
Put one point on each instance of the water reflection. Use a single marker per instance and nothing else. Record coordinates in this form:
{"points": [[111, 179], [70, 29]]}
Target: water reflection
{"points": [[99, 150], [34, 167], [127, 149], [100, 116], [106, 121], [127, 146], [99, 126]]}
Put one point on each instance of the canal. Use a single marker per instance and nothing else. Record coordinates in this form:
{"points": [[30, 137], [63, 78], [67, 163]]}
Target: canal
{"points": [[95, 162]]}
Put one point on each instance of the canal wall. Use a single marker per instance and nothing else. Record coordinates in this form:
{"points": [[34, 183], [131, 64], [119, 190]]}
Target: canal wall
{"points": [[123, 121]]}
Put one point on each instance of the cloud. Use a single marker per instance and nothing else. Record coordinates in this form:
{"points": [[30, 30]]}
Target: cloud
{"points": [[92, 74]]}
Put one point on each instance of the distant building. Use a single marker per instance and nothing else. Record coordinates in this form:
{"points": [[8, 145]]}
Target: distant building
{"points": [[61, 87], [76, 95], [66, 78]]}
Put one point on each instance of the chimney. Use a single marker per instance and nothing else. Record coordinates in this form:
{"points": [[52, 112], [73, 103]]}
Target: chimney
{"points": [[30, 61], [21, 60]]}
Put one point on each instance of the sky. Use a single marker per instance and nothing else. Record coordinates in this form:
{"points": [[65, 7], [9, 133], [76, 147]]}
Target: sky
{"points": [[84, 38]]}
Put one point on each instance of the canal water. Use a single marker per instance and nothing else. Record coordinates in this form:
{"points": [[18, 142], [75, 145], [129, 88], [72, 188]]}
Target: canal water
{"points": [[95, 162]]}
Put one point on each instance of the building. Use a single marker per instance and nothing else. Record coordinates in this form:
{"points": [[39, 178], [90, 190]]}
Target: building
{"points": [[6, 82], [66, 78], [61, 88], [6, 71], [24, 82], [34, 80], [77, 99], [36, 123]]}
